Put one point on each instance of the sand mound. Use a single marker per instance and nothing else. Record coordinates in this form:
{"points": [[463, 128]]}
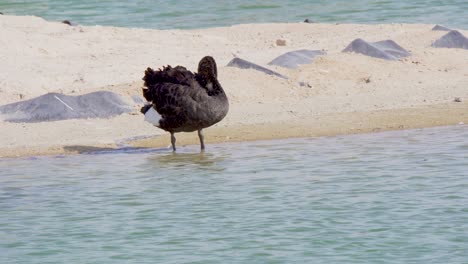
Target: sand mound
{"points": [[440, 28], [453, 39], [56, 106], [386, 49], [243, 64], [293, 59]]}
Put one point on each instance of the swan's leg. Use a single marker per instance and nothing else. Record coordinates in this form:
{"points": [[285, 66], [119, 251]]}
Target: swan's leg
{"points": [[173, 140], [202, 143]]}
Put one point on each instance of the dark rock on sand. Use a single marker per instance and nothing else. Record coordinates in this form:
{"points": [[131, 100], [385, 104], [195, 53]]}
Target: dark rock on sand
{"points": [[56, 106], [293, 59], [243, 64], [440, 28], [453, 39], [309, 21], [386, 49]]}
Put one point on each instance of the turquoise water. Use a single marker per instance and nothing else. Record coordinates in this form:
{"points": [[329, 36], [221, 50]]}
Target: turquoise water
{"points": [[393, 197], [165, 14]]}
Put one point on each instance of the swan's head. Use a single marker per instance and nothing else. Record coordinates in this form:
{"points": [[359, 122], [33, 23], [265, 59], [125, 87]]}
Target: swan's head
{"points": [[207, 68]]}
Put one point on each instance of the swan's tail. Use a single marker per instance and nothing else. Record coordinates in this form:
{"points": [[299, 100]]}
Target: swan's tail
{"points": [[176, 75]]}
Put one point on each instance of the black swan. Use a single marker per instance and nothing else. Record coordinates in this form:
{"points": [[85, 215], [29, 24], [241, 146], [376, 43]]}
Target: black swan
{"points": [[182, 101]]}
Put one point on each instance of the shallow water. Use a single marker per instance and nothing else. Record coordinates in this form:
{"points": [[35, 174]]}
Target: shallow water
{"points": [[165, 14], [392, 197]]}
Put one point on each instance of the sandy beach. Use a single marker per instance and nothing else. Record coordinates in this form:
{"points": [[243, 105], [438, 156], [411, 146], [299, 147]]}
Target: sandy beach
{"points": [[345, 93]]}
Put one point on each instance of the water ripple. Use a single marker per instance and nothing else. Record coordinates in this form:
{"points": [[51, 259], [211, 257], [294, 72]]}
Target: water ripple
{"points": [[163, 14], [378, 198]]}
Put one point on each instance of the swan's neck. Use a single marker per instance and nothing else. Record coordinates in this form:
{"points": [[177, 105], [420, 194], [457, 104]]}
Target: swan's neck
{"points": [[214, 88], [210, 83], [207, 76]]}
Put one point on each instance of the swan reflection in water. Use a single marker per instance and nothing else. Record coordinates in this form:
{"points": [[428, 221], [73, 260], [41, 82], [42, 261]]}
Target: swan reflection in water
{"points": [[200, 160]]}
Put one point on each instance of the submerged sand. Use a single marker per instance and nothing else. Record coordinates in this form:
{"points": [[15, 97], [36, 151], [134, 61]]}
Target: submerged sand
{"points": [[344, 93]]}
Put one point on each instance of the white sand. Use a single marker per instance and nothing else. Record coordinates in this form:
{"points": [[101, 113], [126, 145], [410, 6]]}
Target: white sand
{"points": [[38, 57]]}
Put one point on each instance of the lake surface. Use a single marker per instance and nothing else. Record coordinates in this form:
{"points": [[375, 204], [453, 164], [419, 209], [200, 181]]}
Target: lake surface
{"points": [[165, 14], [392, 197]]}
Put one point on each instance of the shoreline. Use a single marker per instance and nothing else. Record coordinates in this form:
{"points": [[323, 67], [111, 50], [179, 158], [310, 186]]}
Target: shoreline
{"points": [[338, 93], [327, 125], [334, 124]]}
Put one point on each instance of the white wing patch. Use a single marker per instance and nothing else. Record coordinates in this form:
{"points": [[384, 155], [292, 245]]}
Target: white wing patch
{"points": [[152, 117]]}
